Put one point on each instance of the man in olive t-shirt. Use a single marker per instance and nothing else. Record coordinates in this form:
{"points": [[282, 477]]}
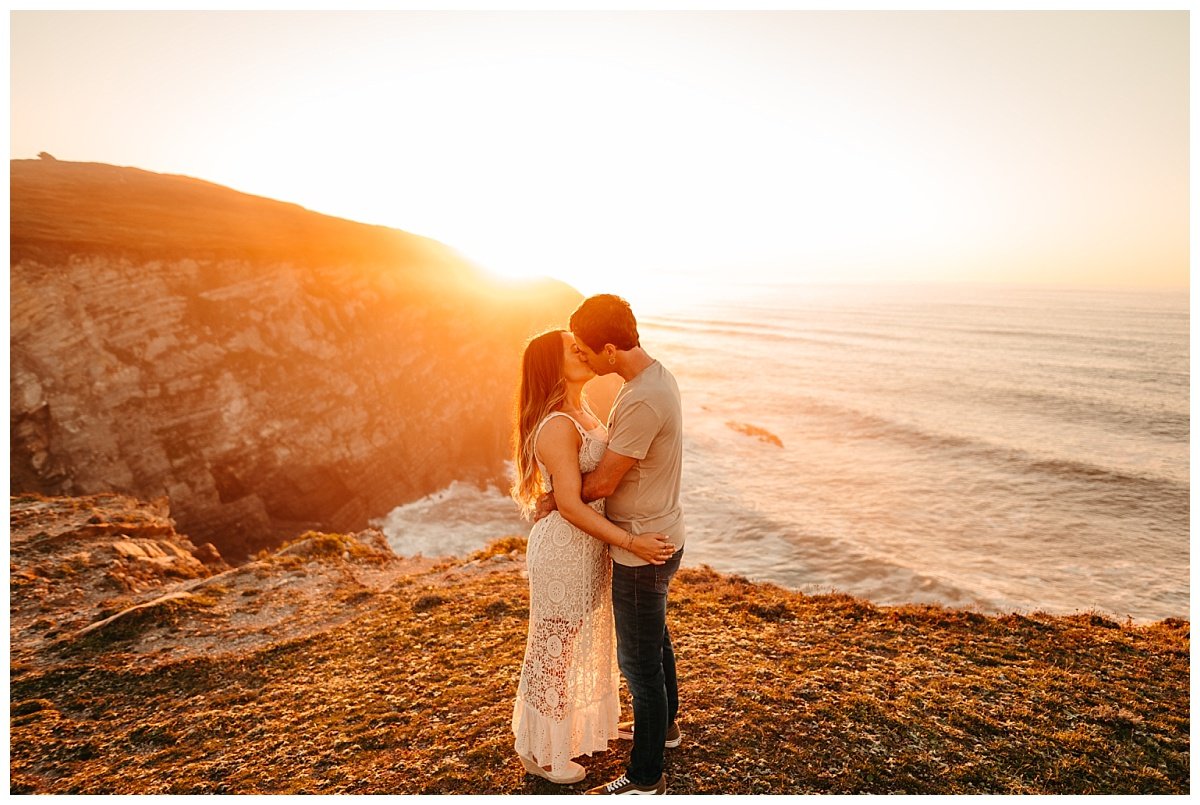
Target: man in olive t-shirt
{"points": [[639, 477]]}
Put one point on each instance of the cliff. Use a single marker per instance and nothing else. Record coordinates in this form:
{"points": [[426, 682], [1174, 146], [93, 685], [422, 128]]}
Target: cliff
{"points": [[332, 666], [267, 369]]}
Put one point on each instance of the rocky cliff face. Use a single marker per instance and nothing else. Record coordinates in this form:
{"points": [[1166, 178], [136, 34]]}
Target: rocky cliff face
{"points": [[268, 369]]}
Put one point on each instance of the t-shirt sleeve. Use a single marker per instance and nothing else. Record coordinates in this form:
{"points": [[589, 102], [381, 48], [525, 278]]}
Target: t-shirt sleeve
{"points": [[634, 428]]}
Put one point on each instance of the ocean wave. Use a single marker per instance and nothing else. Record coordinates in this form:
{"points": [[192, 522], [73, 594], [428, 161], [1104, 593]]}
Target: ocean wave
{"points": [[1106, 341], [910, 328], [1124, 354], [723, 533], [732, 537], [454, 521], [1175, 425], [773, 334], [774, 330], [1148, 490]]}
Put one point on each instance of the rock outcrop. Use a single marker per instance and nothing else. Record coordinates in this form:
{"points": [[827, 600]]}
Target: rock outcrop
{"points": [[70, 558], [267, 369], [110, 573]]}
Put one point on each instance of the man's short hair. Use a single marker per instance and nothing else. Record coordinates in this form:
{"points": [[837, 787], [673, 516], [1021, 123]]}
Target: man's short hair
{"points": [[605, 319]]}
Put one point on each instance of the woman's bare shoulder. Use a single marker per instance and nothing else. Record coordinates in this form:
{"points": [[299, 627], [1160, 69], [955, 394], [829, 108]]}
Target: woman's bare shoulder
{"points": [[557, 432], [558, 443]]}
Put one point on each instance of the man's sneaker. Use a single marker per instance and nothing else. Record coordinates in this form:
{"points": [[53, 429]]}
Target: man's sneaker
{"points": [[621, 785], [674, 736]]}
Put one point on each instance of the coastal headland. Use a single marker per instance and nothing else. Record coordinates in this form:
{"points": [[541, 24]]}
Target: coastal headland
{"points": [[143, 663], [266, 368]]}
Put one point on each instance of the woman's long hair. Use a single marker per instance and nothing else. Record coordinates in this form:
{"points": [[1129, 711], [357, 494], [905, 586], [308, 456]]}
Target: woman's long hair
{"points": [[542, 391]]}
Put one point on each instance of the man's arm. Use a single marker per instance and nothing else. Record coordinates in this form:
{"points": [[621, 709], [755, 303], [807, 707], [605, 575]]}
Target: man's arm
{"points": [[632, 432], [599, 483], [603, 481], [558, 445]]}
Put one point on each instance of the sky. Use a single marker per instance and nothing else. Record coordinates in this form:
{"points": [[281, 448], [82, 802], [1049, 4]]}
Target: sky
{"points": [[616, 150]]}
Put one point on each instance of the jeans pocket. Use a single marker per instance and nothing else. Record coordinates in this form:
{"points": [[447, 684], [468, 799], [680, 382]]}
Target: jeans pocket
{"points": [[664, 573]]}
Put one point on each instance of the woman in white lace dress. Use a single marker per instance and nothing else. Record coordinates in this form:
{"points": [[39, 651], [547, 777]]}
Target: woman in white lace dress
{"points": [[567, 703]]}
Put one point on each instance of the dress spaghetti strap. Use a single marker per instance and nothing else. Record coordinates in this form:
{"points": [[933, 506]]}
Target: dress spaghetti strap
{"points": [[583, 434]]}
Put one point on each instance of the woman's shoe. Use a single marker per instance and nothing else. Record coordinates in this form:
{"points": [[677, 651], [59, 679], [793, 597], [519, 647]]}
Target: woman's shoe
{"points": [[574, 774]]}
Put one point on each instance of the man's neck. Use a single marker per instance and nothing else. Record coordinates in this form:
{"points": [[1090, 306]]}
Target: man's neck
{"points": [[632, 362]]}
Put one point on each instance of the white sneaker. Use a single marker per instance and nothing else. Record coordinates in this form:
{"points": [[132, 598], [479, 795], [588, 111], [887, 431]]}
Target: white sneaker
{"points": [[623, 786]]}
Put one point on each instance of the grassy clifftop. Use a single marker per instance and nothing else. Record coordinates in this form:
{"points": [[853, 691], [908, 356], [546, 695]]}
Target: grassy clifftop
{"points": [[410, 689], [62, 208]]}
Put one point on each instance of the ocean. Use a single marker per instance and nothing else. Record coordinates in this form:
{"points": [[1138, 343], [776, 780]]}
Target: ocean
{"points": [[995, 448]]}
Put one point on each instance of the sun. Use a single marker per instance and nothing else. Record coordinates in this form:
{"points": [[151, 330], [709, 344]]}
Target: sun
{"points": [[512, 257], [511, 270], [645, 289], [515, 266]]}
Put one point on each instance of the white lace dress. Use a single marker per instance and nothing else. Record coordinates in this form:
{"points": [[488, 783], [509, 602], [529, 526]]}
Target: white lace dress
{"points": [[567, 702]]}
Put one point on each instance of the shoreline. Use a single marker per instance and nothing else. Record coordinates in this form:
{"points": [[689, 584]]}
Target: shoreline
{"points": [[425, 519]]}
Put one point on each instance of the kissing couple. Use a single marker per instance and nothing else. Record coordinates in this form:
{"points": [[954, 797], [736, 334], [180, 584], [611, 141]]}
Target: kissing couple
{"points": [[607, 540]]}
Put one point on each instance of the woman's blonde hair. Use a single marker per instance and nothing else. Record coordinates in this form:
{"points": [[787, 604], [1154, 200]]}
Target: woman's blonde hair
{"points": [[542, 391]]}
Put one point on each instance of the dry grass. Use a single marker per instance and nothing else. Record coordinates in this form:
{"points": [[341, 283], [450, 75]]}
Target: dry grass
{"points": [[781, 693], [317, 544]]}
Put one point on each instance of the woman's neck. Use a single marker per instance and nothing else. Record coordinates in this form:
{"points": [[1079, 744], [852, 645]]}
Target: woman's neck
{"points": [[573, 401]]}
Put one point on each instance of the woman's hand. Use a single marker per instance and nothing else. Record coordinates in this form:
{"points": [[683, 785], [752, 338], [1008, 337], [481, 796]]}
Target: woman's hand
{"points": [[545, 505], [652, 547]]}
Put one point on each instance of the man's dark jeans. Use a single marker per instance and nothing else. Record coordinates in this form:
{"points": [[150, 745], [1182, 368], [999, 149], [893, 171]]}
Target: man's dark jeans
{"points": [[646, 660]]}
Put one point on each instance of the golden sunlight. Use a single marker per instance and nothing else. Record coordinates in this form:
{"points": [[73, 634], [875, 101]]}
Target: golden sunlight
{"points": [[909, 374]]}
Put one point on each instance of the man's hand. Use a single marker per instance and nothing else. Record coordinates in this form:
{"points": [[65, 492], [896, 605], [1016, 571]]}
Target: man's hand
{"points": [[651, 547], [545, 505]]}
